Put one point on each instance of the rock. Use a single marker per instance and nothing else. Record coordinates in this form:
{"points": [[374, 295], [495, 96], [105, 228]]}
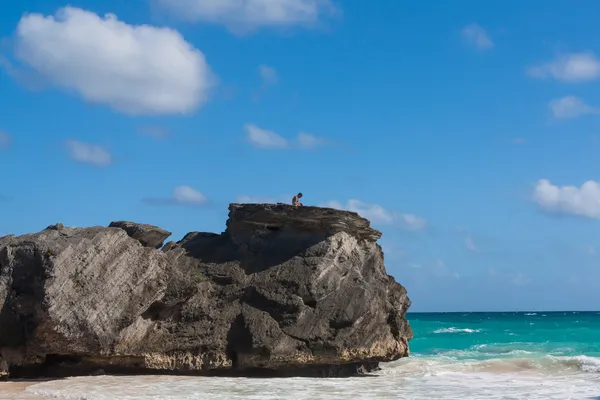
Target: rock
{"points": [[56, 227], [147, 235], [320, 222], [284, 291], [169, 245]]}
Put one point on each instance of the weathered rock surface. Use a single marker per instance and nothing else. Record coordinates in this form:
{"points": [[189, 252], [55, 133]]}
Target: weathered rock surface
{"points": [[283, 291], [147, 235]]}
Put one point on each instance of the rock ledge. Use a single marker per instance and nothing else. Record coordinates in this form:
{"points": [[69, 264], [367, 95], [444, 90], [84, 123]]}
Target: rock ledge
{"points": [[284, 291]]}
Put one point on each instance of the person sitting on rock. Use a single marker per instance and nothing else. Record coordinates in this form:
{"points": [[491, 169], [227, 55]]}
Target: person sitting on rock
{"points": [[296, 200]]}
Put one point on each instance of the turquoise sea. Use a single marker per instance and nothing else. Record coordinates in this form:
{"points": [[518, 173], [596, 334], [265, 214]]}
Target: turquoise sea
{"points": [[487, 336], [536, 355]]}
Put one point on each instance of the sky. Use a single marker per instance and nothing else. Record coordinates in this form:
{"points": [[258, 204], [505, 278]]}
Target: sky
{"points": [[466, 131]]}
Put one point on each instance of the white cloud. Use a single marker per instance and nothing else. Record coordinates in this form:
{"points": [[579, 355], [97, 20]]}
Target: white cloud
{"points": [[89, 153], [182, 195], [264, 138], [256, 199], [5, 140], [411, 222], [268, 75], [477, 36], [470, 244], [373, 212], [188, 195], [568, 200], [242, 16], [376, 213], [570, 107], [308, 141], [135, 69], [28, 79], [574, 68]]}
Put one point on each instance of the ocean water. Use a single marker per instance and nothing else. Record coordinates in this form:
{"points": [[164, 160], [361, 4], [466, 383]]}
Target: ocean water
{"points": [[543, 355]]}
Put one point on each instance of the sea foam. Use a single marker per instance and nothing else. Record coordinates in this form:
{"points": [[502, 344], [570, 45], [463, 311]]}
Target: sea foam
{"points": [[457, 330]]}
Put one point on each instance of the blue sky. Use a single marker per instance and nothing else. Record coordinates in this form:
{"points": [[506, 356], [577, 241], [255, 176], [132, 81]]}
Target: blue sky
{"points": [[467, 132]]}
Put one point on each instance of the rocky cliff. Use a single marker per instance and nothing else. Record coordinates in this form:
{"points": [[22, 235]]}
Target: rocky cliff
{"points": [[283, 291]]}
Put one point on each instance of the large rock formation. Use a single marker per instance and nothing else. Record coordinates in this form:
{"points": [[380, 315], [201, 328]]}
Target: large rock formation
{"points": [[283, 291]]}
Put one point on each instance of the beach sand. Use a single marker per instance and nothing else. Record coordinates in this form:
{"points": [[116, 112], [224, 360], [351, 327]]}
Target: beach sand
{"points": [[15, 390]]}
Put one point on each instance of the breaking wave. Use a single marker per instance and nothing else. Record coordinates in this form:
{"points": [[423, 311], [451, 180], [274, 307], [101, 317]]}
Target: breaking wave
{"points": [[545, 365], [457, 330], [419, 378]]}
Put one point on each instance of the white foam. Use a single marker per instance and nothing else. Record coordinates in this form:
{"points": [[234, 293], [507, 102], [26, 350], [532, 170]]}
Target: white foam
{"points": [[519, 352], [583, 363], [512, 361], [457, 330], [416, 378], [440, 384]]}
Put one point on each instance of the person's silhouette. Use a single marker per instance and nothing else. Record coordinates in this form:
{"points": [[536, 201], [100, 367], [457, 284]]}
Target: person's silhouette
{"points": [[296, 200]]}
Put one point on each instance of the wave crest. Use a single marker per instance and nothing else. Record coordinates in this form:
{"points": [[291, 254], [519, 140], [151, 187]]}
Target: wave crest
{"points": [[583, 363], [456, 330], [543, 365]]}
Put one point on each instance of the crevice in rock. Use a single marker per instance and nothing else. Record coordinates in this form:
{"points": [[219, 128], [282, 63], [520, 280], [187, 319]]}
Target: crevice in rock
{"points": [[159, 311], [53, 360], [393, 324], [222, 280], [310, 302], [239, 340], [340, 324]]}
